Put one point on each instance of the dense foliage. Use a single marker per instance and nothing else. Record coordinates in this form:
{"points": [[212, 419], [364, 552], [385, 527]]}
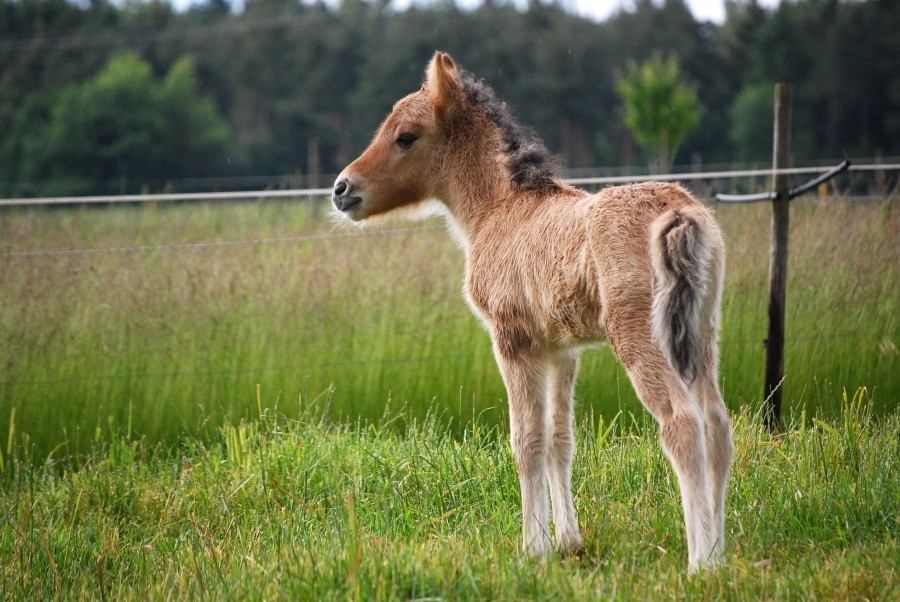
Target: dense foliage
{"points": [[300, 86], [118, 124]]}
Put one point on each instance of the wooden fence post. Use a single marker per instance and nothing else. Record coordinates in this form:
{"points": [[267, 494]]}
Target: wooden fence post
{"points": [[778, 259]]}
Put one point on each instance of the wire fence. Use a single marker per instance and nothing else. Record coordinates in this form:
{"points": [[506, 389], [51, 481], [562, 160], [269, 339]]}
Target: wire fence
{"points": [[356, 235], [325, 192], [216, 244]]}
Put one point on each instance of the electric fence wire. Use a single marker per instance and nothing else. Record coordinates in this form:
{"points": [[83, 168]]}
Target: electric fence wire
{"points": [[357, 235], [33, 254], [215, 244]]}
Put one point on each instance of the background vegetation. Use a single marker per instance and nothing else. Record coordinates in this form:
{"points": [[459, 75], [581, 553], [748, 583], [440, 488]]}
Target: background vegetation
{"points": [[660, 109], [299, 86]]}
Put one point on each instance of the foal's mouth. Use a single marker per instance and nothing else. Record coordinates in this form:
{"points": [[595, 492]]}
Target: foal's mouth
{"points": [[347, 204]]}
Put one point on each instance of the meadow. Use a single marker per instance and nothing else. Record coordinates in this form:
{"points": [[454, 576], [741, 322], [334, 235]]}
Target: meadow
{"points": [[304, 508], [318, 416], [167, 340]]}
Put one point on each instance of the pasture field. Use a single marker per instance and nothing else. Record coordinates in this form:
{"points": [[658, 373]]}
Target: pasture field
{"points": [[319, 417], [171, 341], [303, 508]]}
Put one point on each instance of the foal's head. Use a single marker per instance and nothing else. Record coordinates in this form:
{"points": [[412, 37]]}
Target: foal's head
{"points": [[452, 132], [403, 164]]}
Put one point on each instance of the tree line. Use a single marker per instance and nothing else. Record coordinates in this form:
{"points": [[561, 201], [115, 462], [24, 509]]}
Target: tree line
{"points": [[98, 97]]}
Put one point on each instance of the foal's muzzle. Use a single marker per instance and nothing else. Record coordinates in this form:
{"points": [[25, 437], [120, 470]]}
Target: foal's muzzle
{"points": [[341, 196]]}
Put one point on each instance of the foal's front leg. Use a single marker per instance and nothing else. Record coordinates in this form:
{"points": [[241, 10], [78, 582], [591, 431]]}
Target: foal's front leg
{"points": [[561, 444], [525, 379]]}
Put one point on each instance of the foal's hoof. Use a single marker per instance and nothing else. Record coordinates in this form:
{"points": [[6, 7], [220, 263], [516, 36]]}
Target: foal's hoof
{"points": [[572, 551], [536, 548], [707, 564], [570, 548]]}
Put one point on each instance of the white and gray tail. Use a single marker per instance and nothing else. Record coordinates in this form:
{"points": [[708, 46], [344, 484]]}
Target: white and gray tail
{"points": [[687, 254]]}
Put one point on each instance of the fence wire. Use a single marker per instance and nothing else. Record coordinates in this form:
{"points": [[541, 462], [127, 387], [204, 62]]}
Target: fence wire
{"points": [[177, 247], [216, 244], [326, 192]]}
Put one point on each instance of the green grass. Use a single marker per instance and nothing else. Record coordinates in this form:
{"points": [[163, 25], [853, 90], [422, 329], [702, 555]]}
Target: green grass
{"points": [[302, 508], [323, 420], [173, 342]]}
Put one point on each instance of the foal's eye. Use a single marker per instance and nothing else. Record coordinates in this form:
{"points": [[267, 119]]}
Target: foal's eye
{"points": [[405, 141]]}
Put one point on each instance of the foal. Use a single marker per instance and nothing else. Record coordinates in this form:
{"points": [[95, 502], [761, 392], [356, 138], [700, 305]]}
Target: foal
{"points": [[550, 270]]}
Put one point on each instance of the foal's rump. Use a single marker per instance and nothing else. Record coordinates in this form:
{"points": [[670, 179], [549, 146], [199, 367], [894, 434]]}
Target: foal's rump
{"points": [[660, 259]]}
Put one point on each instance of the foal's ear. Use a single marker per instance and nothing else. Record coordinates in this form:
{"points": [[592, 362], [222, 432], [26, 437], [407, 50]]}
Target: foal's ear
{"points": [[442, 81]]}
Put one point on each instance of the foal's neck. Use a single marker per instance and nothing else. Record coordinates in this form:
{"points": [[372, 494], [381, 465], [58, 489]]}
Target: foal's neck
{"points": [[484, 198], [478, 186]]}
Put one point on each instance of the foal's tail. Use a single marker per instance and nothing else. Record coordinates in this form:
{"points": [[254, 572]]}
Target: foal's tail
{"points": [[687, 253]]}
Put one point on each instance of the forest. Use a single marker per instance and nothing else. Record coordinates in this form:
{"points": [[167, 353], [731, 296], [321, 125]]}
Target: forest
{"points": [[102, 97]]}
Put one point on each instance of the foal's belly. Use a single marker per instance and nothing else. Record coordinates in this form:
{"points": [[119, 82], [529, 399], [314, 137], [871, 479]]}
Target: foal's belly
{"points": [[574, 321], [559, 311]]}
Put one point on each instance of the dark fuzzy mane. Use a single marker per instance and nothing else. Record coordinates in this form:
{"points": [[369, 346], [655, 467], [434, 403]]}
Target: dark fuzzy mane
{"points": [[532, 166]]}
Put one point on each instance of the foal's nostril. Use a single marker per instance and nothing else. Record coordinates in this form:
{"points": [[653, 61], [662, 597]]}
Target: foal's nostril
{"points": [[340, 196]]}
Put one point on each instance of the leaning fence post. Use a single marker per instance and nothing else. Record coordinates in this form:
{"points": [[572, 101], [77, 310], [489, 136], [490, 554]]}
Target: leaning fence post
{"points": [[778, 257]]}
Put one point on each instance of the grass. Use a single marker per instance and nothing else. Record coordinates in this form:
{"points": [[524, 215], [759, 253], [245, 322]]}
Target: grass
{"points": [[304, 508], [323, 420], [173, 341]]}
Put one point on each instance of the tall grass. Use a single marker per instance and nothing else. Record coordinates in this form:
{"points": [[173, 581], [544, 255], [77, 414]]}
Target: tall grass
{"points": [[174, 341], [303, 508]]}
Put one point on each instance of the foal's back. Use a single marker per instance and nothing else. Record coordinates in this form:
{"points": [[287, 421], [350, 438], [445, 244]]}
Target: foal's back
{"points": [[552, 262]]}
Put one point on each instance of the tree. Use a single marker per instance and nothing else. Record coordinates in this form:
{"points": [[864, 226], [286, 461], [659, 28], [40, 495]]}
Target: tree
{"points": [[120, 126], [751, 124], [660, 109], [284, 72]]}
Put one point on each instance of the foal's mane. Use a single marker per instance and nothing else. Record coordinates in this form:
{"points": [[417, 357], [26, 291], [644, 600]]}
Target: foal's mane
{"points": [[531, 165]]}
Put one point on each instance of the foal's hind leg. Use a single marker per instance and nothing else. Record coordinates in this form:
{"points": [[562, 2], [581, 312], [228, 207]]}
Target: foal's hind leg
{"points": [[719, 445], [525, 379], [682, 435], [561, 440]]}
